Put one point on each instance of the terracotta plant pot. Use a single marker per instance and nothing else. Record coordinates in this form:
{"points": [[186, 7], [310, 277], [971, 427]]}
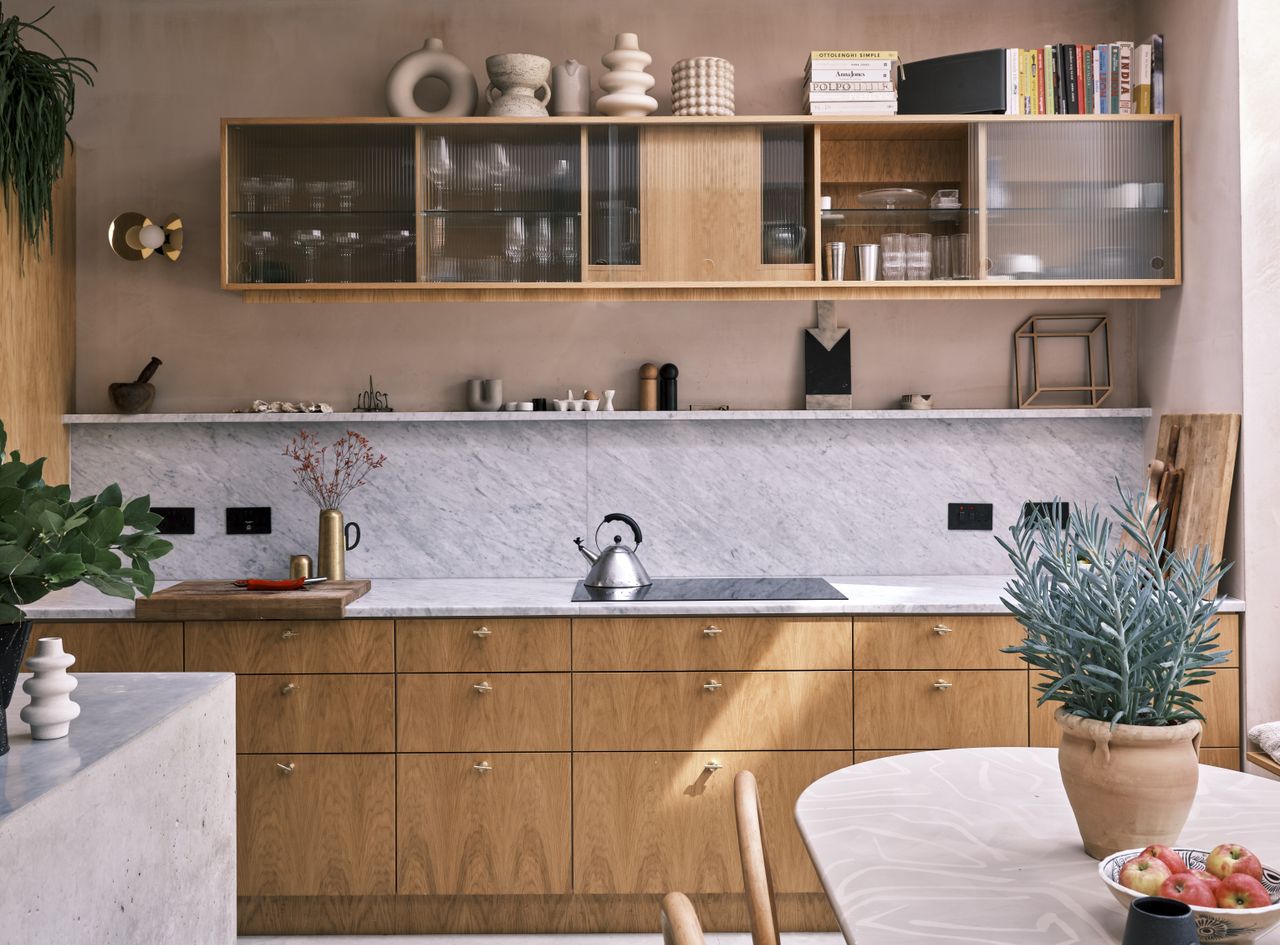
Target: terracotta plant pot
{"points": [[1129, 787]]}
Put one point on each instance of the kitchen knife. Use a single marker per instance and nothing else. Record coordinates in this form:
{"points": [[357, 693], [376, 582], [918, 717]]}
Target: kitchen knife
{"points": [[294, 584]]}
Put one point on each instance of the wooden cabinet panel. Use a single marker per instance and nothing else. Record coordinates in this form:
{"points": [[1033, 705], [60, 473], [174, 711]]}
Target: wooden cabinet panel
{"points": [[482, 645], [326, 828], [1229, 638], [1220, 705], [743, 711], [871, 754], [315, 713], [117, 646], [483, 824], [712, 643], [290, 646], [935, 642], [483, 712], [650, 822], [920, 710], [1221, 757]]}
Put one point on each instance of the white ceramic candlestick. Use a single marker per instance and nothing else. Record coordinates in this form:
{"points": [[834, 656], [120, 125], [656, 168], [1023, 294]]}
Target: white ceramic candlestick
{"points": [[608, 400], [51, 710]]}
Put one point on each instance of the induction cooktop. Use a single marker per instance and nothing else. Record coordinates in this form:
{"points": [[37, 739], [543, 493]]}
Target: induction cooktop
{"points": [[696, 589]]}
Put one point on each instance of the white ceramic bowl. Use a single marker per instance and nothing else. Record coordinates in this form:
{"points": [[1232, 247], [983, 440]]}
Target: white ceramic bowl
{"points": [[1213, 925]]}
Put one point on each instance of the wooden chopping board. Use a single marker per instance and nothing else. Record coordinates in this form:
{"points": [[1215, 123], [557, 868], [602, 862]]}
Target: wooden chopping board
{"points": [[222, 600], [1206, 451]]}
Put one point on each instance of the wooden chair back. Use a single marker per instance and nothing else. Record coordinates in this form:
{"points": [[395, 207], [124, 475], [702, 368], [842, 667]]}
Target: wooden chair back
{"points": [[680, 925], [757, 876]]}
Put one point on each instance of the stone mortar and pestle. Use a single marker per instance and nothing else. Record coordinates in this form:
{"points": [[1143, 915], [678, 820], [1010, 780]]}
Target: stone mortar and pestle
{"points": [[136, 396]]}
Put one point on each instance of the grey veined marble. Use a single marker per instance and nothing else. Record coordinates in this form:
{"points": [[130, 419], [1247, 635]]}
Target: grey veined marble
{"points": [[737, 497]]}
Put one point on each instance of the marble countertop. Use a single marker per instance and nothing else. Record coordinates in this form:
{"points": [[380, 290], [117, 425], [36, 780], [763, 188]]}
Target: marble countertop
{"points": [[116, 709], [513, 597]]}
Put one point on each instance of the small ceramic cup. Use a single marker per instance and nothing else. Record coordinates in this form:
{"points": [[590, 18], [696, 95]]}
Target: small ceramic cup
{"points": [[591, 405], [511, 405], [1157, 921], [525, 405], [576, 404]]}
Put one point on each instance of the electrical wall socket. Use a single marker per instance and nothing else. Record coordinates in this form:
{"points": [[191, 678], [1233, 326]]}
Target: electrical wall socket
{"points": [[177, 519], [1045, 509], [969, 516], [249, 520]]}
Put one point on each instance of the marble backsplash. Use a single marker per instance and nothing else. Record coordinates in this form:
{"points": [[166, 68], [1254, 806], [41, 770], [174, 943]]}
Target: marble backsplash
{"points": [[731, 497]]}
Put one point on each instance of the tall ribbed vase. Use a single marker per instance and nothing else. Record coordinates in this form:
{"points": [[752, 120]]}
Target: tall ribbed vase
{"points": [[331, 556], [13, 643]]}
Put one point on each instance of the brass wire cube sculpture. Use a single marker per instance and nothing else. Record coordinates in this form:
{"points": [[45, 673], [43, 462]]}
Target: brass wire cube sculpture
{"points": [[1031, 369]]}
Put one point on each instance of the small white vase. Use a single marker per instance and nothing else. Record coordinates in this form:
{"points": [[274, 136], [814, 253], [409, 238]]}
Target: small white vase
{"points": [[608, 400], [626, 82], [51, 710]]}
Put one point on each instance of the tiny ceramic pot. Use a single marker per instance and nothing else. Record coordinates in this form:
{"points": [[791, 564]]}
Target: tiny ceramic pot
{"points": [[1154, 920], [561, 405]]}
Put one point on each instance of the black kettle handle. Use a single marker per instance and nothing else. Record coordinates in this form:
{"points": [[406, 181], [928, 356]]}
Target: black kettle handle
{"points": [[625, 520]]}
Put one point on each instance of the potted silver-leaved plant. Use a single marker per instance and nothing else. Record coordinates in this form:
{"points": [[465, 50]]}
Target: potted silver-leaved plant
{"points": [[1121, 632]]}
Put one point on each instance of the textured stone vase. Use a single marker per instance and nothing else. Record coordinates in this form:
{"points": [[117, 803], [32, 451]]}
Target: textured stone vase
{"points": [[51, 710], [431, 62], [626, 82], [13, 643], [518, 79], [1130, 787]]}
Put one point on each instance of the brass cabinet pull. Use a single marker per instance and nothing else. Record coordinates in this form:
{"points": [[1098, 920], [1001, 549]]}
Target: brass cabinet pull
{"points": [[712, 767], [285, 769], [941, 629], [483, 766], [942, 685], [288, 635], [711, 631], [482, 688], [712, 685], [482, 632], [288, 688]]}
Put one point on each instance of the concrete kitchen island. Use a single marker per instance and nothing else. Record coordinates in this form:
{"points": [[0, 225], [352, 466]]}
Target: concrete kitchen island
{"points": [[125, 830]]}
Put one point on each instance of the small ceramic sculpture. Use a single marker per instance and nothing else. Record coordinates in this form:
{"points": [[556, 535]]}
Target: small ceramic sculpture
{"points": [[626, 82], [571, 89], [518, 78], [51, 710], [702, 86], [608, 400], [484, 394], [135, 396], [431, 62]]}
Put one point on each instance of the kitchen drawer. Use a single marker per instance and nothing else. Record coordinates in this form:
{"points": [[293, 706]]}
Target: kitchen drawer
{"points": [[117, 646], [483, 824], [315, 713], [650, 822], [483, 712], [730, 711], [935, 642], [290, 646], [712, 643], [324, 828], [944, 709], [1220, 704], [482, 645], [1228, 631]]}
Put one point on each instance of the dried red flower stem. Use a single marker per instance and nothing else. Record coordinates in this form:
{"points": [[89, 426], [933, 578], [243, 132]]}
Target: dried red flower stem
{"points": [[352, 462]]}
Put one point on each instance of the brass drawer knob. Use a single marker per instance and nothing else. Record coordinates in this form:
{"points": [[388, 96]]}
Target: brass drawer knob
{"points": [[712, 685], [482, 688], [288, 688], [711, 631], [482, 632], [941, 629], [483, 767], [285, 769], [711, 767], [942, 685], [288, 635]]}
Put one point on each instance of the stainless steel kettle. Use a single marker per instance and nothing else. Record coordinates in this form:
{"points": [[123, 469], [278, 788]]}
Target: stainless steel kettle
{"points": [[617, 565]]}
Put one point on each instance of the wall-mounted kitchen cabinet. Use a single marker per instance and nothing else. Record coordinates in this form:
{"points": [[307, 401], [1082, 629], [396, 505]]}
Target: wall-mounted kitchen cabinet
{"points": [[695, 208]]}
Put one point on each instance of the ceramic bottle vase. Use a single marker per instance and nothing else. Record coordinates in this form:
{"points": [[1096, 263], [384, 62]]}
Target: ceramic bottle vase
{"points": [[626, 82], [51, 710], [571, 89]]}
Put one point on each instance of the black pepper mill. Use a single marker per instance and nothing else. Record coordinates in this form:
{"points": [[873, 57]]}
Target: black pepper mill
{"points": [[667, 375]]}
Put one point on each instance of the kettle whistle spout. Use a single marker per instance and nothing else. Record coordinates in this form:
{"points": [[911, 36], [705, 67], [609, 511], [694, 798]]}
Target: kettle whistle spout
{"points": [[589, 555]]}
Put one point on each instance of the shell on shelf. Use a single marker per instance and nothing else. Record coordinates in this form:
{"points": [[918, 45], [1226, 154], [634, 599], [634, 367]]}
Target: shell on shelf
{"points": [[626, 82]]}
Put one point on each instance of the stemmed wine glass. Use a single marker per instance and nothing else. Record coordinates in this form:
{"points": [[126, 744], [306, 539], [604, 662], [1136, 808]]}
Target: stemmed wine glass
{"points": [[251, 188], [277, 189], [396, 243], [259, 241], [516, 247], [317, 190], [309, 241], [347, 242], [346, 191]]}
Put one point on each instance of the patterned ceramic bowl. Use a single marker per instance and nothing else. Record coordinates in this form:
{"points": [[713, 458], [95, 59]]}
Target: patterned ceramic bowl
{"points": [[1213, 925]]}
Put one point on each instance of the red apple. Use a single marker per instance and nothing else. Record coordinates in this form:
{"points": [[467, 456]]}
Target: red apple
{"points": [[1166, 856], [1228, 858], [1144, 874], [1210, 880], [1242, 891], [1189, 888]]}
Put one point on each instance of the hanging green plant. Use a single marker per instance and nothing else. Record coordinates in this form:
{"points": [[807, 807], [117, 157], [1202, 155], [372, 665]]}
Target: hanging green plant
{"points": [[37, 100]]}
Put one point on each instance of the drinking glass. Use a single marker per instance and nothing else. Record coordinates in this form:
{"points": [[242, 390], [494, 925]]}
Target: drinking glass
{"points": [[942, 257], [346, 191], [251, 188], [515, 249], [919, 256], [347, 243], [259, 241], [961, 264], [316, 190], [277, 188], [396, 244], [309, 241], [542, 253], [893, 256]]}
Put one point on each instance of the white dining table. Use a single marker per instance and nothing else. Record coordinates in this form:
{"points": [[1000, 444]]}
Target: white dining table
{"points": [[979, 846]]}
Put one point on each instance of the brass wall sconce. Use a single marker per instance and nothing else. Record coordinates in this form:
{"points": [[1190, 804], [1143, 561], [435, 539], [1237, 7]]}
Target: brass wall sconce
{"points": [[134, 237]]}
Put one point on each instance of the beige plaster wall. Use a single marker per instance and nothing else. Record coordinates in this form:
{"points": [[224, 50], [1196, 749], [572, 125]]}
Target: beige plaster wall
{"points": [[148, 140]]}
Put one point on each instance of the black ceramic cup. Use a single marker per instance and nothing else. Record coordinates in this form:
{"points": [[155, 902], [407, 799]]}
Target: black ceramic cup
{"points": [[1154, 920]]}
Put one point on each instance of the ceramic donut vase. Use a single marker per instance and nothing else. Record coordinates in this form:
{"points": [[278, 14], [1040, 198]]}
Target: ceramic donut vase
{"points": [[431, 62], [702, 86]]}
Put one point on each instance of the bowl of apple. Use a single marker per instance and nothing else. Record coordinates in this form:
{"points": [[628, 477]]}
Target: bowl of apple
{"points": [[1233, 896]]}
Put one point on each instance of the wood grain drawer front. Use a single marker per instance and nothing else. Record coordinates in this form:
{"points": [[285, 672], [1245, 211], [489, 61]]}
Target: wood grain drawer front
{"points": [[935, 642], [730, 711], [1228, 631], [1220, 704], [483, 712], [315, 713], [707, 643], [118, 646], [487, 645], [945, 709], [290, 646], [487, 824], [648, 822], [324, 827]]}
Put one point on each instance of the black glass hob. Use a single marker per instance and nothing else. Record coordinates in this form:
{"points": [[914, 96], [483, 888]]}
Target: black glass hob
{"points": [[699, 589]]}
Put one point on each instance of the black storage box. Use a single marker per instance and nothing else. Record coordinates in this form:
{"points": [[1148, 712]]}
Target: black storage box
{"points": [[972, 83]]}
